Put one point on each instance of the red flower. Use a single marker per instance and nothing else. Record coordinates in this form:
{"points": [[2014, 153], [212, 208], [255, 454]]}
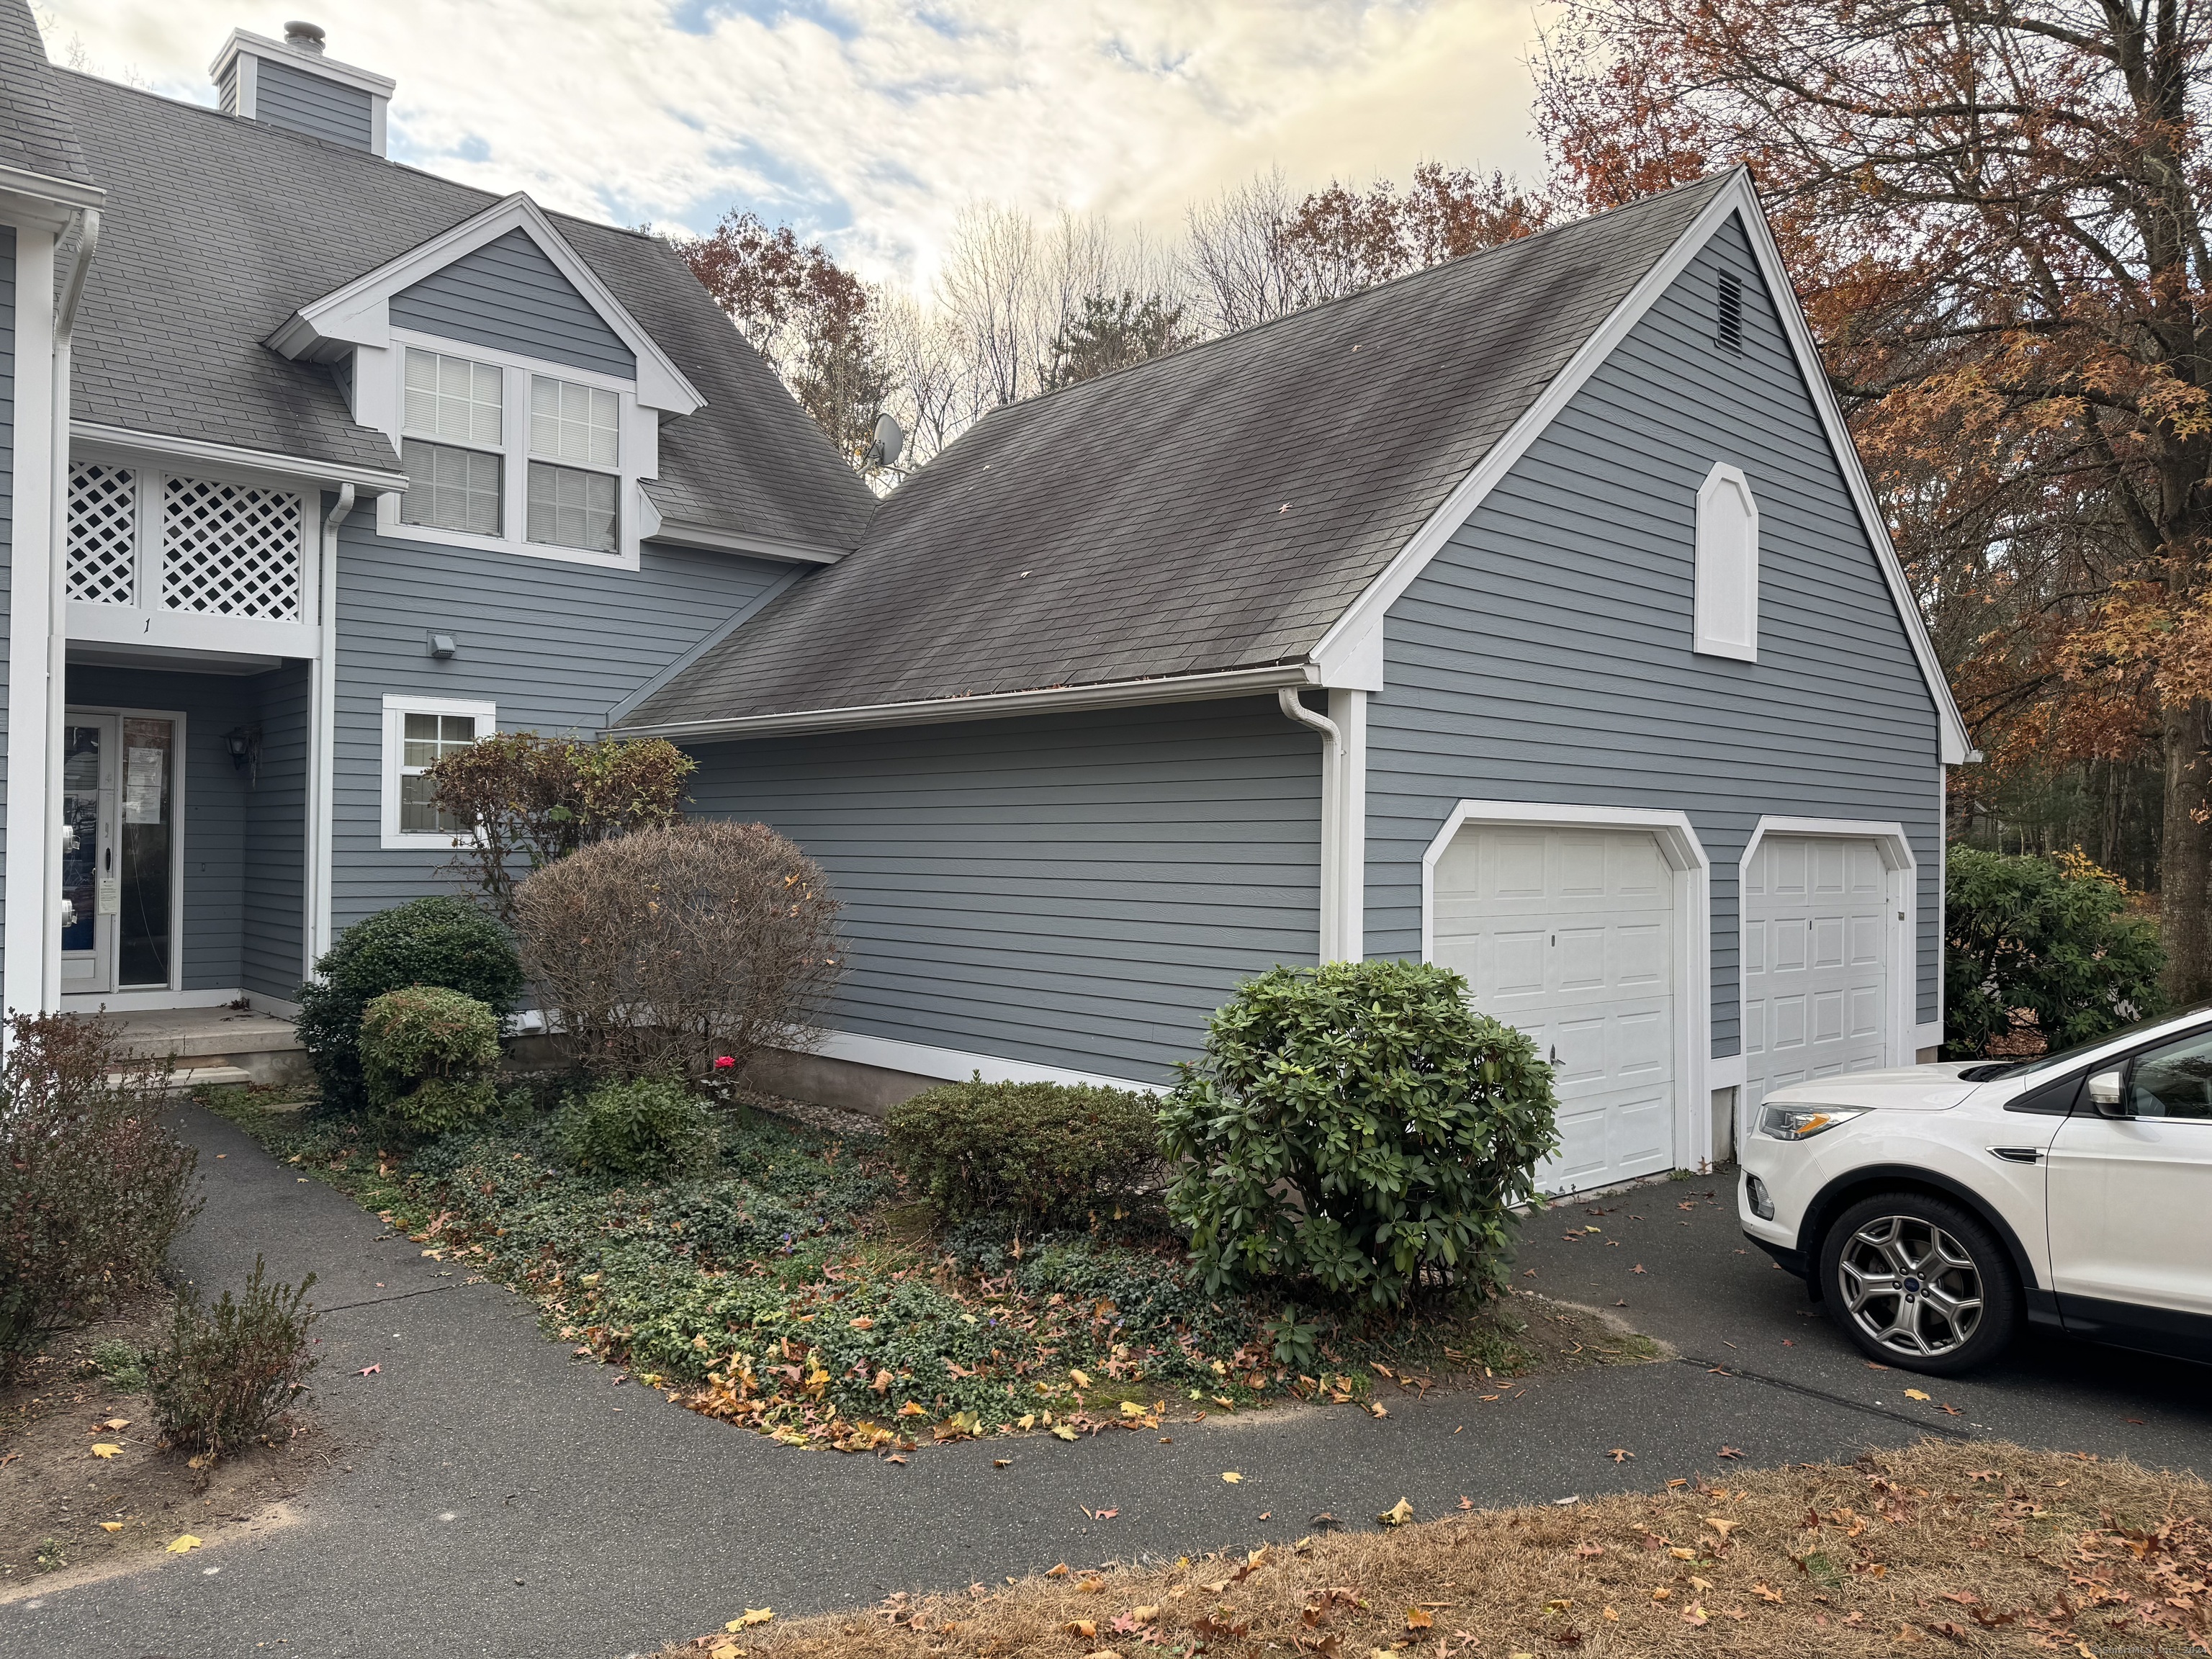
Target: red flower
{"points": [[724, 1062]]}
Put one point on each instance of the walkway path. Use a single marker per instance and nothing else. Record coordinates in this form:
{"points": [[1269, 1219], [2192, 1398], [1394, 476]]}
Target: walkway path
{"points": [[500, 1497]]}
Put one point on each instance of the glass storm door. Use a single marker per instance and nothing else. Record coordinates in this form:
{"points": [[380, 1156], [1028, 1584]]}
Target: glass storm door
{"points": [[91, 888], [118, 841]]}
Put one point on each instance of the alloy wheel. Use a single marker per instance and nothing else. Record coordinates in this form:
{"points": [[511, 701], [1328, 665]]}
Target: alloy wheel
{"points": [[1911, 1286]]}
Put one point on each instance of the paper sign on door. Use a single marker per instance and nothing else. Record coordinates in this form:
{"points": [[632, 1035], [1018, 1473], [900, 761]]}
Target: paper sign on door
{"points": [[111, 896], [142, 771]]}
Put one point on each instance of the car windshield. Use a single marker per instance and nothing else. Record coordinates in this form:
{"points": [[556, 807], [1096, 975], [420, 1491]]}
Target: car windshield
{"points": [[2052, 1062]]}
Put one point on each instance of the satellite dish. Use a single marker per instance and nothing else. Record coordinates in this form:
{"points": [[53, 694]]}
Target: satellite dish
{"points": [[888, 441]]}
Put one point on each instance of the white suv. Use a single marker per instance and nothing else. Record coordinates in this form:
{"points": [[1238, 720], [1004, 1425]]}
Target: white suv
{"points": [[1934, 1208]]}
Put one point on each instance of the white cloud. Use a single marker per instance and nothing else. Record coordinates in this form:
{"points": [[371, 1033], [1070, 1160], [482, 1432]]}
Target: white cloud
{"points": [[872, 122]]}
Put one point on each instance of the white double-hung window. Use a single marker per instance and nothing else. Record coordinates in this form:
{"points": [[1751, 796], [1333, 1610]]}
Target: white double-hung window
{"points": [[512, 454], [576, 459], [418, 733], [452, 424]]}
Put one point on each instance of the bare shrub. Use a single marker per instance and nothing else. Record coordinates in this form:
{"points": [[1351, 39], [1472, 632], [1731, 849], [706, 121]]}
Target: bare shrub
{"points": [[229, 1371], [92, 1187], [671, 947]]}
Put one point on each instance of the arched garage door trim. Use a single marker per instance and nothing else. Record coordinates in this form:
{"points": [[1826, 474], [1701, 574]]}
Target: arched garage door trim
{"points": [[1902, 921], [1686, 856]]}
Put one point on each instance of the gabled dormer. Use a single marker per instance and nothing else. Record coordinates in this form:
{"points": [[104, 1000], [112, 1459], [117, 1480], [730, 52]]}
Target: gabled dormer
{"points": [[291, 83], [523, 399]]}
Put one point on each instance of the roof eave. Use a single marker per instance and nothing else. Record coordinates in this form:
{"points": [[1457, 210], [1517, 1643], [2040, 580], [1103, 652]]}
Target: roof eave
{"points": [[1049, 700]]}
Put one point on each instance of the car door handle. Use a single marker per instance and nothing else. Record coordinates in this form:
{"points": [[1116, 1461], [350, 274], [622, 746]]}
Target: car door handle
{"points": [[2018, 1154]]}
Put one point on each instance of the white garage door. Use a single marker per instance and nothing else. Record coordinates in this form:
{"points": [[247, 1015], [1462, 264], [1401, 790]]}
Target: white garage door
{"points": [[1815, 962], [1570, 935]]}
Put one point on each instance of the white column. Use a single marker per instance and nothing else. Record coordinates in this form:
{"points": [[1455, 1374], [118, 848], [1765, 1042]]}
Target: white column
{"points": [[1348, 709], [30, 944], [322, 729]]}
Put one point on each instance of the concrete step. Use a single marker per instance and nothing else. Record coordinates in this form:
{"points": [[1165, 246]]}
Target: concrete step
{"points": [[192, 1077]]}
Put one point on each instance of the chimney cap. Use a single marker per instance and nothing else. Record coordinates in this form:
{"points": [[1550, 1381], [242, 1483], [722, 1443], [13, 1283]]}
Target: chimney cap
{"points": [[306, 37]]}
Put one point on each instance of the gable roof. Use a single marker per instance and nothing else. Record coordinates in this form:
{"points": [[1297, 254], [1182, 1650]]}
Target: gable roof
{"points": [[36, 137], [218, 229], [1236, 517], [1215, 510]]}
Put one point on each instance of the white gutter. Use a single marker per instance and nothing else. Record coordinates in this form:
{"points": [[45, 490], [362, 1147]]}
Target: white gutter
{"points": [[322, 775], [1119, 694], [331, 473], [1342, 934]]}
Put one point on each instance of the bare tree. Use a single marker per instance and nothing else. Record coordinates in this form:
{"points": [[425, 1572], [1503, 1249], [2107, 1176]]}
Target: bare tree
{"points": [[1237, 255]]}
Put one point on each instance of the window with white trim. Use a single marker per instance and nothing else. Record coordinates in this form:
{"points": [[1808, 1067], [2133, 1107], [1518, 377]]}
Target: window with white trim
{"points": [[1726, 595], [575, 448], [419, 731], [453, 422]]}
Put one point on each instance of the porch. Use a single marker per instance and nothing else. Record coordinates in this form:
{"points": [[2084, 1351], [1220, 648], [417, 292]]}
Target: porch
{"points": [[216, 1045]]}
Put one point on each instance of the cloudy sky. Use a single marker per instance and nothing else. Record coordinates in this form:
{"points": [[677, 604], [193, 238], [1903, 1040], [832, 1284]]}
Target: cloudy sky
{"points": [[871, 123]]}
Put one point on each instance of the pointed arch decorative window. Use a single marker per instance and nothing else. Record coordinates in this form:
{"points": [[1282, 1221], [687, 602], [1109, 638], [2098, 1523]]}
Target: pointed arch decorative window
{"points": [[1726, 595]]}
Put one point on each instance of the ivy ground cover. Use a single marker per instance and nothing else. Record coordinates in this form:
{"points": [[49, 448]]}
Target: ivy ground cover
{"points": [[795, 1288]]}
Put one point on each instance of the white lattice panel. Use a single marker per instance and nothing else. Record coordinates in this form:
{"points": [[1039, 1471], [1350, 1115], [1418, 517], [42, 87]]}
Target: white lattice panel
{"points": [[230, 549], [103, 534]]}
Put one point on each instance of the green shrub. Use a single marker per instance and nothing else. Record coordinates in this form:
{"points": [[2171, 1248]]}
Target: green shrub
{"points": [[2050, 936], [650, 1127], [123, 1363], [226, 1373], [428, 1054], [92, 1187], [1041, 1150], [431, 941], [1353, 1125]]}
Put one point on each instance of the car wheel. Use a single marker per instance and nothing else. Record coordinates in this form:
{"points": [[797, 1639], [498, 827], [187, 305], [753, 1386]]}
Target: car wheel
{"points": [[1919, 1282]]}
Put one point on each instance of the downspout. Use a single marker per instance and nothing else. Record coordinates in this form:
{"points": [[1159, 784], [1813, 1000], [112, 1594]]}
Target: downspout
{"points": [[1332, 819], [321, 818], [65, 309]]}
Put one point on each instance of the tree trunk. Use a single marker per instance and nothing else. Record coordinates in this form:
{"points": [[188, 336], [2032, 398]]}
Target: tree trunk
{"points": [[2185, 852]]}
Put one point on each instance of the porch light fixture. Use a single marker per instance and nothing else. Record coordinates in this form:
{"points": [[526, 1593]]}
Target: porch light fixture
{"points": [[442, 645], [244, 743]]}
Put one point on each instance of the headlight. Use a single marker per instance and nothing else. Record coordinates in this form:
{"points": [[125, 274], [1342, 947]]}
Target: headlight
{"points": [[1803, 1122]]}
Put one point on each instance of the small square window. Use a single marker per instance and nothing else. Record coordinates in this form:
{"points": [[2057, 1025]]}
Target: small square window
{"points": [[416, 738], [569, 508], [453, 398], [574, 423], [450, 489]]}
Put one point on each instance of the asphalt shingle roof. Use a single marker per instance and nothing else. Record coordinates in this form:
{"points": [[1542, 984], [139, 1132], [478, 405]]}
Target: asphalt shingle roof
{"points": [[35, 134], [1213, 510], [218, 229]]}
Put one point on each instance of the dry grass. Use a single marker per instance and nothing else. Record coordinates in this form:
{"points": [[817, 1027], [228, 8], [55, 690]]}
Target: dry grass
{"points": [[1943, 1547]]}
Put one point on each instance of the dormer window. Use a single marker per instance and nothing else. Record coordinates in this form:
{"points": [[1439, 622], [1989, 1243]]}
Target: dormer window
{"points": [[499, 455]]}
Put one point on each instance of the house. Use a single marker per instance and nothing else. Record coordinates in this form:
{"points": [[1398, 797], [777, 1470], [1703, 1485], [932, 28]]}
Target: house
{"points": [[1531, 614]]}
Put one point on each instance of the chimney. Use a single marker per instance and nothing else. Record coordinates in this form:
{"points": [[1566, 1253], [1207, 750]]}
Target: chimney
{"points": [[289, 83]]}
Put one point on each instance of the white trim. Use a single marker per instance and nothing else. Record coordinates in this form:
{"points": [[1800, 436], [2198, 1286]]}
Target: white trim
{"points": [[1114, 694], [359, 313], [245, 43], [1725, 1071], [682, 532], [322, 747], [1685, 855], [1927, 1036], [30, 945], [280, 1006], [191, 631], [637, 450], [245, 103], [179, 768], [1735, 196], [294, 471], [1706, 639], [955, 1065], [1902, 894], [389, 756], [45, 188], [144, 1001]]}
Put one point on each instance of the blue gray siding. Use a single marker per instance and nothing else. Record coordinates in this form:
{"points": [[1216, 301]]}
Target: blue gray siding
{"points": [[509, 297], [1544, 654], [1077, 890], [300, 100], [272, 938], [553, 643]]}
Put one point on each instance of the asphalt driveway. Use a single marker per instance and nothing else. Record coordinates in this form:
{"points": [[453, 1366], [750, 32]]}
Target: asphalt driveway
{"points": [[492, 1495]]}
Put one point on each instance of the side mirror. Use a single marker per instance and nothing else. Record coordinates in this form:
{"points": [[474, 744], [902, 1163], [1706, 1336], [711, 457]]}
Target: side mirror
{"points": [[2104, 1094]]}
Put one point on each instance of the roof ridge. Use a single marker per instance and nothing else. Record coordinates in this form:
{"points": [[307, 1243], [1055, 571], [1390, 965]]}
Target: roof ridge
{"points": [[1458, 263]]}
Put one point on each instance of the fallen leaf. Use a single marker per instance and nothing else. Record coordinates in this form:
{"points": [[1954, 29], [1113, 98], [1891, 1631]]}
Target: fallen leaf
{"points": [[1916, 1394], [1619, 1454], [1589, 1549], [105, 1449], [1730, 1452], [1060, 1572], [1763, 1592], [1721, 1525], [863, 1323], [179, 1545], [1231, 1476], [910, 1409], [1061, 1431], [1661, 1594], [1085, 1627], [368, 1370], [110, 1525], [1397, 1515], [1146, 1614], [1131, 1408], [1376, 1409], [756, 1616], [1418, 1619], [1694, 1614], [117, 1422], [1081, 1379]]}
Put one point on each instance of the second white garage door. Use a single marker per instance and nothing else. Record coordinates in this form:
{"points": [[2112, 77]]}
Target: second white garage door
{"points": [[1569, 934], [1816, 920]]}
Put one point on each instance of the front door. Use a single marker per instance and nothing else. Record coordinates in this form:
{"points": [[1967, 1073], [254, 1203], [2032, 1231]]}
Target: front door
{"points": [[119, 853], [2129, 1201]]}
